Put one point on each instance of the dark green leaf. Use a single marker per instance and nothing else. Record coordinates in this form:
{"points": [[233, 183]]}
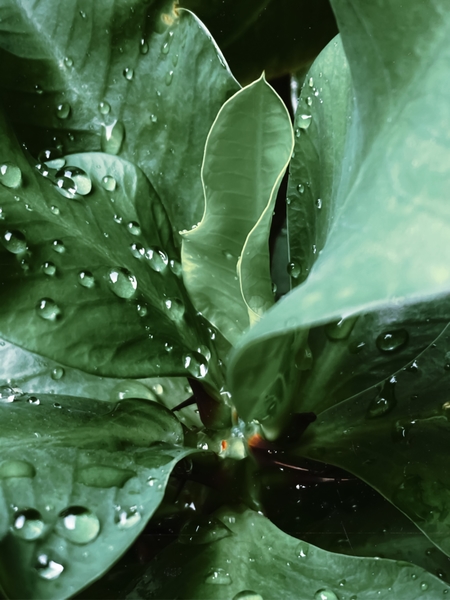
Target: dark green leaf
{"points": [[73, 70], [78, 482], [244, 552]]}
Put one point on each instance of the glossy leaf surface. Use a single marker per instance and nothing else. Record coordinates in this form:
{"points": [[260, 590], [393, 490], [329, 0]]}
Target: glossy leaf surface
{"points": [[246, 547], [121, 77], [78, 481], [226, 257]]}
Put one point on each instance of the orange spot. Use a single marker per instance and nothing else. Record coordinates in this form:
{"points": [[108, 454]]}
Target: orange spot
{"points": [[224, 445], [255, 440]]}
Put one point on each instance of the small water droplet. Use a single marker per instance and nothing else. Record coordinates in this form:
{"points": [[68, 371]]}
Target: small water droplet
{"points": [[175, 308], [294, 269], [166, 46], [104, 108], [134, 228], [169, 77], [300, 188], [16, 468], [122, 282], [86, 279], [248, 595], [304, 121], [128, 73], [14, 241], [424, 586], [127, 517], [143, 46], [302, 550], [58, 246], [175, 267], [203, 530], [218, 577], [311, 82], [112, 137], [298, 132], [79, 177], [57, 373], [319, 203], [341, 329], [153, 118], [325, 594], [142, 310], [66, 187], [49, 269], [309, 101], [55, 210], [34, 401], [51, 158], [413, 367], [391, 341], [48, 310], [78, 525], [196, 364], [10, 175], [384, 401], [47, 568], [68, 62], [63, 110], [137, 250], [7, 394], [109, 183], [28, 524], [157, 258]]}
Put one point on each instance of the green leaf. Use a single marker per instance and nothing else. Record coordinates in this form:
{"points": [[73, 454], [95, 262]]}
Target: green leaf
{"points": [[385, 186], [225, 259], [78, 482], [139, 65], [244, 552], [395, 437], [88, 283]]}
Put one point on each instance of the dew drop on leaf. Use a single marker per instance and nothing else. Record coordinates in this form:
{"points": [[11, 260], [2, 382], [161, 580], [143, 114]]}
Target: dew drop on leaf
{"points": [[86, 279], [58, 246], [109, 183], [104, 108], [16, 468], [128, 73], [34, 401], [122, 282], [301, 188], [52, 158], [68, 62], [7, 394], [175, 267], [28, 524], [134, 228], [304, 121], [103, 476], [55, 210], [218, 577], [48, 310], [391, 341], [341, 329], [383, 402], [302, 550], [112, 137], [14, 241], [294, 269], [325, 594], [248, 595], [137, 250], [48, 268], [143, 46], [79, 177], [78, 524], [57, 373], [47, 568], [196, 365], [169, 78], [298, 132], [127, 517], [309, 101], [66, 187], [319, 203], [10, 175], [424, 586], [157, 258], [175, 308], [63, 110]]}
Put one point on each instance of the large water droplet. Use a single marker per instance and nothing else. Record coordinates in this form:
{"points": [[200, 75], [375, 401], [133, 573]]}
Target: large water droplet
{"points": [[157, 258], [304, 121], [63, 110], [325, 594], [203, 530], [28, 524], [34, 401], [14, 241], [47, 568], [86, 279], [10, 175], [104, 108], [341, 329], [122, 282], [112, 137], [294, 269], [79, 177], [383, 402], [9, 394], [391, 341], [134, 228], [218, 577], [16, 468], [248, 595], [137, 250], [127, 517], [66, 187], [109, 183], [175, 308], [48, 310], [58, 246], [57, 373], [78, 525], [49, 269]]}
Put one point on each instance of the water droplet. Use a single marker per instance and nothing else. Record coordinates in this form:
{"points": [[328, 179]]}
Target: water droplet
{"points": [[413, 367], [424, 586], [309, 101], [104, 108], [128, 73], [143, 46], [300, 188], [311, 82], [142, 310], [28, 524], [10, 175], [47, 568], [137, 250], [340, 330], [63, 110], [66, 187], [203, 530], [68, 62], [112, 137], [127, 517], [16, 468], [302, 550], [52, 158], [109, 183], [122, 282], [58, 246], [34, 401], [304, 121], [153, 118], [169, 77], [383, 402], [48, 310], [196, 364], [176, 267], [166, 46], [79, 177], [157, 258], [298, 132], [55, 210], [86, 279], [248, 595], [294, 269], [8, 394], [391, 341], [218, 577], [134, 228], [319, 203], [57, 373], [14, 241], [325, 594], [176, 308], [49, 268], [78, 525]]}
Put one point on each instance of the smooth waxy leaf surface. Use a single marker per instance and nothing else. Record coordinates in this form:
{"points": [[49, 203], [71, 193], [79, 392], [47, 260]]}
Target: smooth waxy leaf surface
{"points": [[389, 216], [78, 481], [243, 556], [72, 265], [225, 258], [120, 77]]}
